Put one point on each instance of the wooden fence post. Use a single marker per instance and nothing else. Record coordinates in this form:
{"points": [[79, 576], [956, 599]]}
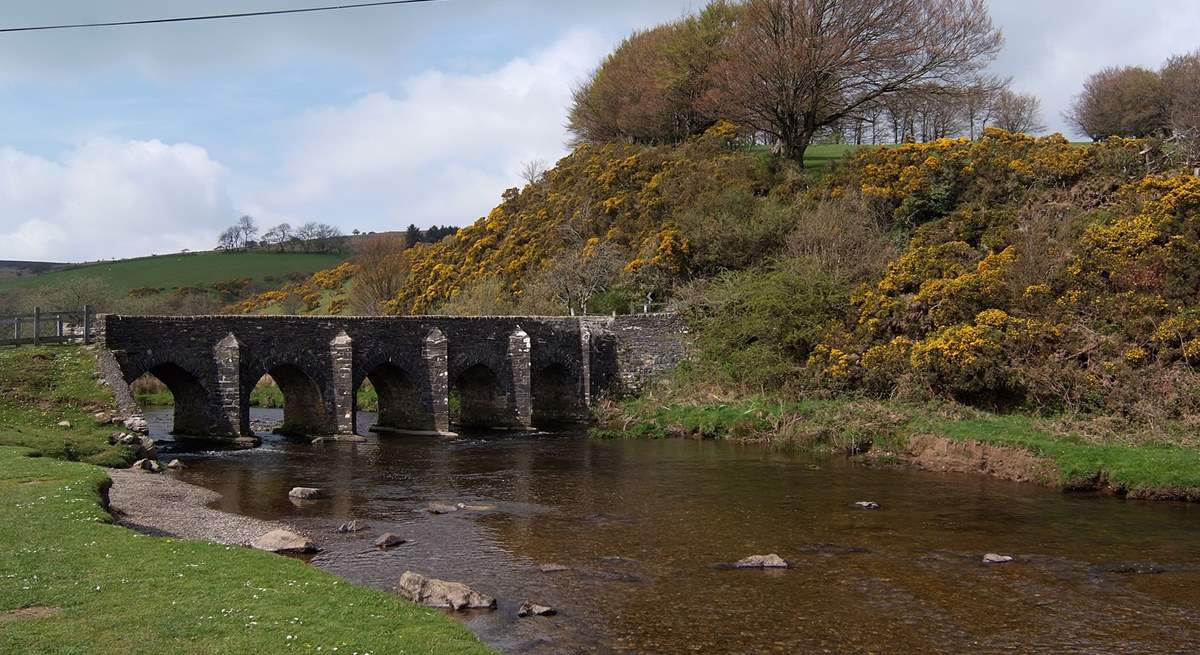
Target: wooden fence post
{"points": [[37, 325], [87, 325], [17, 330]]}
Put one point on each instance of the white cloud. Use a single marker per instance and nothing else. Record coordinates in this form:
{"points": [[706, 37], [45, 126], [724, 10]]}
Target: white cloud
{"points": [[441, 151], [110, 198]]}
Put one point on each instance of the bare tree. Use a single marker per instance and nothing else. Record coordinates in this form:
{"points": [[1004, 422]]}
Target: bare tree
{"points": [[1018, 112], [381, 269], [576, 277], [978, 104], [247, 228], [533, 170], [796, 66], [278, 236], [230, 239]]}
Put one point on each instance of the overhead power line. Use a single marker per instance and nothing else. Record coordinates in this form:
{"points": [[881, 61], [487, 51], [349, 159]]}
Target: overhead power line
{"points": [[188, 19]]}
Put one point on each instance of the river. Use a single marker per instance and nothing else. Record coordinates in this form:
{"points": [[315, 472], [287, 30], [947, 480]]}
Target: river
{"points": [[644, 527]]}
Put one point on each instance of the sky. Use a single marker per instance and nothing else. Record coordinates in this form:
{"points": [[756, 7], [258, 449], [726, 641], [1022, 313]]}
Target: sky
{"points": [[130, 141]]}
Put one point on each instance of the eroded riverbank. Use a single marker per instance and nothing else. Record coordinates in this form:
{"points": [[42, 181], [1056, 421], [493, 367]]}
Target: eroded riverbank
{"points": [[641, 524]]}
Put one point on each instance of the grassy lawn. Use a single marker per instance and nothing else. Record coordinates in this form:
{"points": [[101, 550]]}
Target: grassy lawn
{"points": [[83, 585], [182, 270], [39, 387], [112, 590], [1158, 462]]}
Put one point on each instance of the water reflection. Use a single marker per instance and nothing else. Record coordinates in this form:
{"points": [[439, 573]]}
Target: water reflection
{"points": [[641, 524]]}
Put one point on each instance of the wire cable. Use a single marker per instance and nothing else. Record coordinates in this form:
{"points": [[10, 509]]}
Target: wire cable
{"points": [[186, 19]]}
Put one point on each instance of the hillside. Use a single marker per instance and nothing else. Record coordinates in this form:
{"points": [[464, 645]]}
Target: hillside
{"points": [[168, 272]]}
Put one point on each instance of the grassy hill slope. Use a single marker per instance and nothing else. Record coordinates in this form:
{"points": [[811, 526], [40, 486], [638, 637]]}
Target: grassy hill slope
{"points": [[185, 270]]}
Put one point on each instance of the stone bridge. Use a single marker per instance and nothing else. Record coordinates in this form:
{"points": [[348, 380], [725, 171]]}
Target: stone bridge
{"points": [[505, 372]]}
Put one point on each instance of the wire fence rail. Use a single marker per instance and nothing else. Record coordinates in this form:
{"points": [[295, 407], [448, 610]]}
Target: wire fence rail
{"points": [[58, 326]]}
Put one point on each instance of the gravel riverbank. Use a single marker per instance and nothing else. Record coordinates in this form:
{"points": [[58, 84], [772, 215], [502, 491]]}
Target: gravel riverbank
{"points": [[162, 505]]}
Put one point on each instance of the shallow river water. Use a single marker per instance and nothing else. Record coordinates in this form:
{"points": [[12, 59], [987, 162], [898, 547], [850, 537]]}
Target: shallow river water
{"points": [[645, 525]]}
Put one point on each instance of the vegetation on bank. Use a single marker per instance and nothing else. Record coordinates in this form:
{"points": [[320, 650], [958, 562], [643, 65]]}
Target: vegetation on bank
{"points": [[74, 579], [1085, 453], [41, 387], [101, 588]]}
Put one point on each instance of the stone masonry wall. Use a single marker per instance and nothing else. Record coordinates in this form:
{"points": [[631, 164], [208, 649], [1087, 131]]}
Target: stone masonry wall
{"points": [[548, 367]]}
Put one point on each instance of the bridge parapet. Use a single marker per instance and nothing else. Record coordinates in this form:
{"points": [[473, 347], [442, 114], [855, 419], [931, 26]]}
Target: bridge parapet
{"points": [[503, 371]]}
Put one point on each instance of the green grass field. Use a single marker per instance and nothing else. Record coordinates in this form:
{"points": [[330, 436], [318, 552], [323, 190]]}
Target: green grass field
{"points": [[75, 584], [41, 386], [183, 270]]}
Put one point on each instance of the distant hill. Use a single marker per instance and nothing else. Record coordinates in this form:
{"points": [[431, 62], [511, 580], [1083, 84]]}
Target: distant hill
{"points": [[166, 272], [17, 268]]}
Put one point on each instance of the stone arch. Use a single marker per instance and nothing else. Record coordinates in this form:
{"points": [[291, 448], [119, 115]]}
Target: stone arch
{"points": [[555, 396], [401, 401], [191, 398], [304, 411], [482, 401]]}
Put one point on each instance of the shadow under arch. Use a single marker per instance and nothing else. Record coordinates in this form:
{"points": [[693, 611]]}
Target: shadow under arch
{"points": [[303, 403], [555, 396], [190, 397], [401, 405], [481, 401]]}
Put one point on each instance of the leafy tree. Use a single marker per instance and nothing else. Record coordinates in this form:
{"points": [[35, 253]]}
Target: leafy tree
{"points": [[1181, 83], [1127, 101], [649, 89]]}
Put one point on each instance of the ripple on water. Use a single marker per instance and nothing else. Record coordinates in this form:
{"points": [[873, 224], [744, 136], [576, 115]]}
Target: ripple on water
{"points": [[640, 524]]}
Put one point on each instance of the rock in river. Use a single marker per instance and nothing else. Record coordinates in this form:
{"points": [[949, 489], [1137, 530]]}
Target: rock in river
{"points": [[388, 540], [284, 541], [993, 558], [175, 464], [533, 609], [866, 504], [439, 593], [305, 493], [148, 465], [553, 568], [771, 561], [441, 508], [352, 526]]}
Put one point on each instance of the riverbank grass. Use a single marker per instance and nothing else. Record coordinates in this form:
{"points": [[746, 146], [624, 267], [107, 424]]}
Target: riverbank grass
{"points": [[98, 588], [1162, 460], [41, 387]]}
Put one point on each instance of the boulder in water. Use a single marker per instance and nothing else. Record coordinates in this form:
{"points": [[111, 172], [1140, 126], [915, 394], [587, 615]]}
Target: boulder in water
{"points": [[148, 465], [866, 504], [533, 609], [305, 493], [993, 558], [284, 541], [771, 561], [440, 593], [388, 540], [351, 526]]}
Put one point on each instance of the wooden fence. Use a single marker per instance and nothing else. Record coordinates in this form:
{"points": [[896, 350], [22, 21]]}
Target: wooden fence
{"points": [[68, 326]]}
